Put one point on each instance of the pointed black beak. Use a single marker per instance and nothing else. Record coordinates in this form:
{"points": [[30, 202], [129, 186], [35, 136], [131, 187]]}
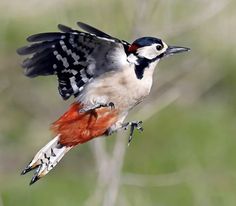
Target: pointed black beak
{"points": [[175, 49]]}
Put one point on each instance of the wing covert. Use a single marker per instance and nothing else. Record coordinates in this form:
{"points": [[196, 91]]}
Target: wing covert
{"points": [[73, 56]]}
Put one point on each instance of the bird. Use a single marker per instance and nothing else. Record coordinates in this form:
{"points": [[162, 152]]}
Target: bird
{"points": [[106, 76]]}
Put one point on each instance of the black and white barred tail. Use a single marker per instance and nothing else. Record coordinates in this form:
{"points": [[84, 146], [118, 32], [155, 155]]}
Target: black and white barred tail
{"points": [[46, 159]]}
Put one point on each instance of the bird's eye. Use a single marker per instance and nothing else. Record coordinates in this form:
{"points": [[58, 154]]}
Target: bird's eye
{"points": [[159, 47]]}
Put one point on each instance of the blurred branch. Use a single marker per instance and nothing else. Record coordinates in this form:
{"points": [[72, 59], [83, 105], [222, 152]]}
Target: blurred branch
{"points": [[101, 157], [109, 171], [112, 190], [102, 160], [158, 104], [153, 180]]}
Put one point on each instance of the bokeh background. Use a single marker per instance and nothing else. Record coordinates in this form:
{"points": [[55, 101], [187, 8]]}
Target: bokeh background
{"points": [[187, 153]]}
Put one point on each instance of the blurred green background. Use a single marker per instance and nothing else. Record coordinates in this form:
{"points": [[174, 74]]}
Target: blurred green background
{"points": [[185, 156]]}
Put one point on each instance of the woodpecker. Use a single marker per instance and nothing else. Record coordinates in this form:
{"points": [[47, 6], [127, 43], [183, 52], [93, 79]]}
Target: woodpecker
{"points": [[107, 77]]}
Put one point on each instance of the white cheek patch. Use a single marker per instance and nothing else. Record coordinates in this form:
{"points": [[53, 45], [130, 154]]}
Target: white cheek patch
{"points": [[149, 52]]}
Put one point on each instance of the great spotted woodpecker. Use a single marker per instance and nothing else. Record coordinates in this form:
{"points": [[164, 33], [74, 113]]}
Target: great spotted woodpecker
{"points": [[107, 76]]}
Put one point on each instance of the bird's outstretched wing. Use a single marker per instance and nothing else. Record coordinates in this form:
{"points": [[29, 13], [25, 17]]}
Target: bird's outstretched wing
{"points": [[76, 57]]}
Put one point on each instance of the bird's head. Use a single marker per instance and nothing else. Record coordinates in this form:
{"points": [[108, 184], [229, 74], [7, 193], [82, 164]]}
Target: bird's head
{"points": [[153, 49], [149, 50]]}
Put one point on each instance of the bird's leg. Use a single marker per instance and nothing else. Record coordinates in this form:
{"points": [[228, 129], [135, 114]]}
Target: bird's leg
{"points": [[96, 106], [133, 125]]}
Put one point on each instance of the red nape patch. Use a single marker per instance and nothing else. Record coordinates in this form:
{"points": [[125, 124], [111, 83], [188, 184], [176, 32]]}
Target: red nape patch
{"points": [[133, 48], [76, 128]]}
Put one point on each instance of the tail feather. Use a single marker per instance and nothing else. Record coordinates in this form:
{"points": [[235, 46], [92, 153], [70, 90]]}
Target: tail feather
{"points": [[46, 159], [72, 128]]}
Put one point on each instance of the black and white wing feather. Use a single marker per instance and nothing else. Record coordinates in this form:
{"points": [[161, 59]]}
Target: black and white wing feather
{"points": [[76, 57]]}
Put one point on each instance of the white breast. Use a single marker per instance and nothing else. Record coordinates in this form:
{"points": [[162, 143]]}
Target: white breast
{"points": [[120, 87]]}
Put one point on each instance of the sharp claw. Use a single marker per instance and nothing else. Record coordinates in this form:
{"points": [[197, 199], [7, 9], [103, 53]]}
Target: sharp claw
{"points": [[133, 125], [139, 126], [140, 129], [129, 141]]}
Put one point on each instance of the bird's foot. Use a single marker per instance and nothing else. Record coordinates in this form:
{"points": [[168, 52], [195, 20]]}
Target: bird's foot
{"points": [[96, 106], [133, 125]]}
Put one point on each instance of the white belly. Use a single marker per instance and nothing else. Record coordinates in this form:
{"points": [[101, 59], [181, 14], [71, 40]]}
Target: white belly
{"points": [[120, 87]]}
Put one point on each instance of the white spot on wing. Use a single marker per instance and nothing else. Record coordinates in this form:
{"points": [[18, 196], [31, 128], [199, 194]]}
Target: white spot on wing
{"points": [[73, 84], [83, 76], [74, 72], [81, 88], [64, 60], [69, 52]]}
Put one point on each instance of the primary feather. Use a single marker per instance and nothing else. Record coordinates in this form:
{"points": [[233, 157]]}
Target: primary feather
{"points": [[76, 57]]}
